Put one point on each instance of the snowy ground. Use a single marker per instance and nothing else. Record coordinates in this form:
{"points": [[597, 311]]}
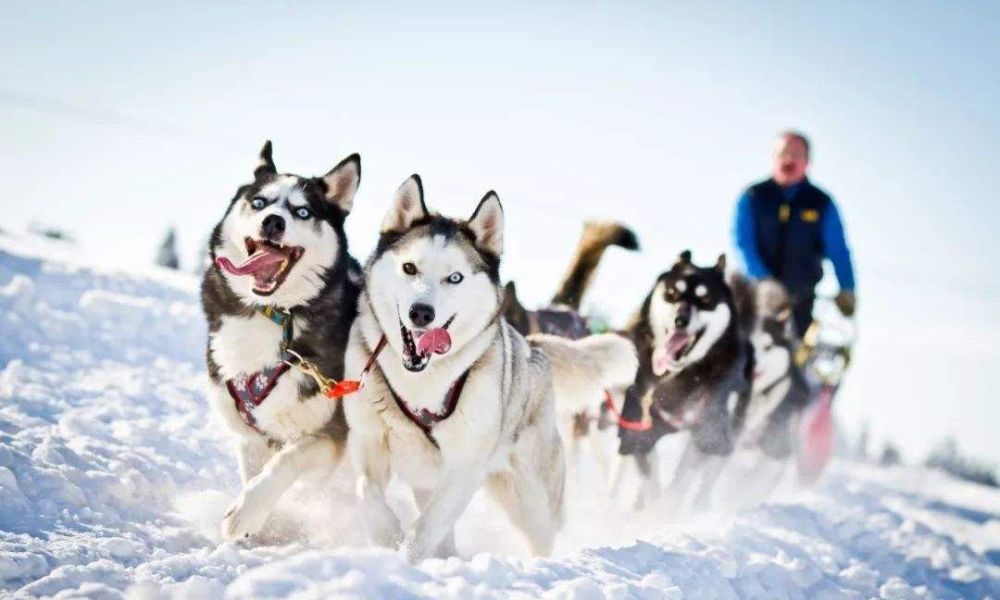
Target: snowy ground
{"points": [[113, 477]]}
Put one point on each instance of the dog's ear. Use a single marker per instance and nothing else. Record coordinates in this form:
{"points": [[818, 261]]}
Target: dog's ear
{"points": [[720, 265], [407, 207], [684, 258], [487, 224], [342, 181], [265, 165]]}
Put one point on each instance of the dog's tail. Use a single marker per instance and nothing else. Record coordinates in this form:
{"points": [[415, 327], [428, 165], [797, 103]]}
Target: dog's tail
{"points": [[597, 237], [582, 369]]}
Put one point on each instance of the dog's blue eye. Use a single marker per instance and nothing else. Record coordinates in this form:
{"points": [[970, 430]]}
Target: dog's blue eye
{"points": [[303, 213], [258, 203], [455, 277]]}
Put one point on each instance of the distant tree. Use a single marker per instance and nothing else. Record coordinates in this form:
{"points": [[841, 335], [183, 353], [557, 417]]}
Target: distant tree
{"points": [[50, 232], [947, 457], [861, 450], [166, 256], [890, 455]]}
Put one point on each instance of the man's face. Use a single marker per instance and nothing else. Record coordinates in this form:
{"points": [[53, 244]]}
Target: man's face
{"points": [[790, 161]]}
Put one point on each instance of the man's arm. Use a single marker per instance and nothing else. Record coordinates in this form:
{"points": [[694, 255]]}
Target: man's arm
{"points": [[745, 234], [835, 248]]}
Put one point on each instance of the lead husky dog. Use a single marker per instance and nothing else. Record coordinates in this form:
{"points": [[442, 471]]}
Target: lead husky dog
{"points": [[693, 358], [458, 398], [281, 286]]}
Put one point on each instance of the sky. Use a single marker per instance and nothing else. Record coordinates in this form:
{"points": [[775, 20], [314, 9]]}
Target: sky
{"points": [[120, 121]]}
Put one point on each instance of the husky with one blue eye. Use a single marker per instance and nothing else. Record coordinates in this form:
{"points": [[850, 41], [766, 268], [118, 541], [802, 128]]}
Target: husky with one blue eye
{"points": [[457, 399], [281, 288]]}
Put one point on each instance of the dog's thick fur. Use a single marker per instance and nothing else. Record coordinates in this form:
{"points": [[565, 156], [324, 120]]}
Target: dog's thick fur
{"points": [[296, 427], [502, 432], [691, 384]]}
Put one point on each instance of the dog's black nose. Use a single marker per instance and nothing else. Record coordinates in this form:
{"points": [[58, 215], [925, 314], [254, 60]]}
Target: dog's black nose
{"points": [[421, 314], [272, 228], [682, 319]]}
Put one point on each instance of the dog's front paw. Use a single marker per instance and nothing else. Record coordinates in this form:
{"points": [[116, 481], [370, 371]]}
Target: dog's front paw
{"points": [[243, 519], [413, 550]]}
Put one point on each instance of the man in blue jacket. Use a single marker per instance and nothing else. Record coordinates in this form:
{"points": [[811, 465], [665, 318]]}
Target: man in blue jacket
{"points": [[786, 226]]}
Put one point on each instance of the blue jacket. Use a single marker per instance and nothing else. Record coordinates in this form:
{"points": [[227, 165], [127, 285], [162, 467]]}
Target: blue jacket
{"points": [[786, 233]]}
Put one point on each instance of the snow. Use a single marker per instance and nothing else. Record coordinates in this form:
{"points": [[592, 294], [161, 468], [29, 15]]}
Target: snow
{"points": [[114, 475]]}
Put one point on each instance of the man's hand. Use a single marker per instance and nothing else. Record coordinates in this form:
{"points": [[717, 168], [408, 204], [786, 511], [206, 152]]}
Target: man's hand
{"points": [[846, 302]]}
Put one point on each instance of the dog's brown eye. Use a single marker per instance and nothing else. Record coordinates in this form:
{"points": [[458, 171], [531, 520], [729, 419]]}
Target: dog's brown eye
{"points": [[410, 268]]}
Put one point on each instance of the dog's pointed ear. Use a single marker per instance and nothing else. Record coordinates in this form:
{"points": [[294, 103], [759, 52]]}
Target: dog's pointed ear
{"points": [[720, 265], [342, 182], [683, 259], [265, 164], [487, 224], [408, 206]]}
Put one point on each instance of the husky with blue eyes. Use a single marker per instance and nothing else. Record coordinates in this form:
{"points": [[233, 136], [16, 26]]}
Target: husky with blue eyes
{"points": [[282, 288], [455, 398]]}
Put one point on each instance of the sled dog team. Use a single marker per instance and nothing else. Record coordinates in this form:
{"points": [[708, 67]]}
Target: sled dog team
{"points": [[423, 366]]}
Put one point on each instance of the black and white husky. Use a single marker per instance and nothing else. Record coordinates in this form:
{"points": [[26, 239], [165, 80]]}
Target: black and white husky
{"points": [[693, 359], [281, 286], [457, 397]]}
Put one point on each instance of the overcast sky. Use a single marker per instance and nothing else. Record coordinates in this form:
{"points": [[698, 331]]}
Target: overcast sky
{"points": [[118, 121]]}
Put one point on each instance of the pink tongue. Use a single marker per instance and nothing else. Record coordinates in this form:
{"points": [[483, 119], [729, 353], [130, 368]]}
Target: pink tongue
{"points": [[677, 342], [437, 341], [261, 259], [663, 357], [661, 361]]}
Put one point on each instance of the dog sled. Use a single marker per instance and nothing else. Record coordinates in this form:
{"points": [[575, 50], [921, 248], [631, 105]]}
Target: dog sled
{"points": [[824, 357]]}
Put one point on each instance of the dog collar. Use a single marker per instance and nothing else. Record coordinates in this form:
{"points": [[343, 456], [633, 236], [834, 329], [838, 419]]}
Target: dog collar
{"points": [[282, 318]]}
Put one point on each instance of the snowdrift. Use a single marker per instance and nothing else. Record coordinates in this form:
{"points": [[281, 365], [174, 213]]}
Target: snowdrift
{"points": [[113, 476]]}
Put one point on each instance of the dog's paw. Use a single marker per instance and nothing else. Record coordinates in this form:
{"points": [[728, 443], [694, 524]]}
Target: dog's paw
{"points": [[413, 550], [243, 519]]}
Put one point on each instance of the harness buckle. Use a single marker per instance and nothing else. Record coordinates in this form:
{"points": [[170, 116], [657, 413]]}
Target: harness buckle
{"points": [[309, 369]]}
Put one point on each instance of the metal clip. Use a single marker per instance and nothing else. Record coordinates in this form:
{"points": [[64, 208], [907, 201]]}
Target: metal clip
{"points": [[311, 370]]}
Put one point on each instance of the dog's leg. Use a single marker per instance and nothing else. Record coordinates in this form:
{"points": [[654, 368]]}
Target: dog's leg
{"points": [[251, 453], [710, 471], [687, 469], [531, 491], [449, 498], [371, 461], [649, 470], [259, 496], [447, 546]]}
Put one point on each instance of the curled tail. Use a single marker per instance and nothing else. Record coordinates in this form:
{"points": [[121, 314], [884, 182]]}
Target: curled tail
{"points": [[583, 369], [597, 237]]}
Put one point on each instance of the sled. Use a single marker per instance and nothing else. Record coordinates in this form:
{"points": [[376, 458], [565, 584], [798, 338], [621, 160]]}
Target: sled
{"points": [[824, 357]]}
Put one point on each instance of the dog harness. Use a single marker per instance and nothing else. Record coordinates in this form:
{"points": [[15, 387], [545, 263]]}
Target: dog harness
{"points": [[425, 419], [249, 391]]}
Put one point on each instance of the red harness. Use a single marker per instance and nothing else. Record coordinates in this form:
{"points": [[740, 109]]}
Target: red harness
{"points": [[249, 392], [426, 419], [678, 423]]}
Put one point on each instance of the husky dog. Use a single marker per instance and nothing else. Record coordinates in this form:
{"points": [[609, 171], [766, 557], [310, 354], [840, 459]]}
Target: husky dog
{"points": [[693, 356], [281, 287], [562, 317], [456, 397]]}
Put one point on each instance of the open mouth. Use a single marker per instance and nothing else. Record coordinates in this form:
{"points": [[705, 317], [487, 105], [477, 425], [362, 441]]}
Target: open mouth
{"points": [[671, 356], [267, 262], [417, 354]]}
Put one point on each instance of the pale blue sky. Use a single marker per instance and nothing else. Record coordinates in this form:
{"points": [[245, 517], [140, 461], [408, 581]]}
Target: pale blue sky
{"points": [[117, 120]]}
